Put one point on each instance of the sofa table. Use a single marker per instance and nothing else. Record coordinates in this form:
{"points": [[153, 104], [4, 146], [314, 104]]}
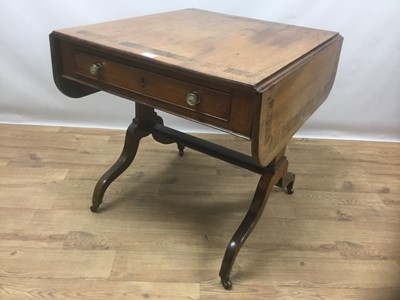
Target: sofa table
{"points": [[256, 79]]}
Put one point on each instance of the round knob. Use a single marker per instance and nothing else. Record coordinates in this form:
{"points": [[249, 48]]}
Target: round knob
{"points": [[95, 69], [192, 98]]}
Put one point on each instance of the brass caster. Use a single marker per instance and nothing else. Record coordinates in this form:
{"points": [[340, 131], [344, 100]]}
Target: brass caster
{"points": [[181, 149], [227, 284], [290, 189]]}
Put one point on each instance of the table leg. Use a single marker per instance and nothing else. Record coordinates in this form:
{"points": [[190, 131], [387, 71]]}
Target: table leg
{"points": [[139, 129], [147, 122], [278, 176], [134, 134], [166, 140]]}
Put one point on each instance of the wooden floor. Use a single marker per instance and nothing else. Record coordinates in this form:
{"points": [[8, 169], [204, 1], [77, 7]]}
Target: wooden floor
{"points": [[167, 220]]}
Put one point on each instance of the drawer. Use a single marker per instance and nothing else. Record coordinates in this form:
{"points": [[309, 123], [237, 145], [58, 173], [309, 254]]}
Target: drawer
{"points": [[211, 102]]}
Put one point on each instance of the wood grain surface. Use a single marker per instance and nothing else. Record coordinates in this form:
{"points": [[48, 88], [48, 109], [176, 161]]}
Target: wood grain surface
{"points": [[257, 79], [234, 48], [167, 219]]}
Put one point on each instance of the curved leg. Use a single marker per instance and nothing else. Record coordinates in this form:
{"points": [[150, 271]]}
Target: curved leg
{"points": [[133, 135], [264, 187], [164, 140]]}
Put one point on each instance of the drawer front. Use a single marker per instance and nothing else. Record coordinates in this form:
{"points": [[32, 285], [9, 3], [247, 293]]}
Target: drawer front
{"points": [[211, 102]]}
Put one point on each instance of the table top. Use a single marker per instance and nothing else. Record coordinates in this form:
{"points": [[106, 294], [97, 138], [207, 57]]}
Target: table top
{"points": [[238, 49], [258, 79]]}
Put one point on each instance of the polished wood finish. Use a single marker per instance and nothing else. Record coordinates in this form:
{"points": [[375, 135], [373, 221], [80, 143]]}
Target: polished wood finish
{"points": [[269, 178], [214, 103], [238, 70], [162, 234], [205, 43], [134, 134], [285, 107], [257, 79]]}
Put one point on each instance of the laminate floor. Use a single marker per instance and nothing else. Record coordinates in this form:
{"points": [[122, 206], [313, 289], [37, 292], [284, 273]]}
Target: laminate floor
{"points": [[165, 223]]}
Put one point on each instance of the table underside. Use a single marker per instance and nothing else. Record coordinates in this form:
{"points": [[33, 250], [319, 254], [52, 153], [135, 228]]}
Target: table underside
{"points": [[147, 122]]}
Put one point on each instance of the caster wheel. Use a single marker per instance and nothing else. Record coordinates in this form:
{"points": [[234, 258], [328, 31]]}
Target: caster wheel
{"points": [[181, 149], [93, 208], [227, 284], [290, 189]]}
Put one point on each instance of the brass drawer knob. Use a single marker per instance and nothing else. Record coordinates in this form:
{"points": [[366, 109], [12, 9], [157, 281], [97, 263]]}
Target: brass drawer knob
{"points": [[192, 99], [96, 69]]}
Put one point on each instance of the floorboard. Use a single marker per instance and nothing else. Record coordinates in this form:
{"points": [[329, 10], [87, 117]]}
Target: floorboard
{"points": [[166, 221]]}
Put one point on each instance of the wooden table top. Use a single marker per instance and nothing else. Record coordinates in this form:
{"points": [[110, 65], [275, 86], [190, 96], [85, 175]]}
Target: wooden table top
{"points": [[238, 49], [258, 79]]}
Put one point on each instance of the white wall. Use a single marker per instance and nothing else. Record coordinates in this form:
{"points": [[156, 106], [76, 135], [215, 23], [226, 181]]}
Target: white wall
{"points": [[364, 102]]}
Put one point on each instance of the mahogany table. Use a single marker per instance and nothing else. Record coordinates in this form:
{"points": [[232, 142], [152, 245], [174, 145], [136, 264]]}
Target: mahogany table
{"points": [[256, 79]]}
